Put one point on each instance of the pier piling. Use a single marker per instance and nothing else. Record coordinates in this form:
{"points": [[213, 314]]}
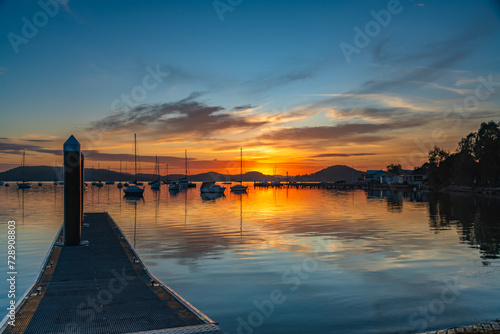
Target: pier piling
{"points": [[82, 181], [72, 192]]}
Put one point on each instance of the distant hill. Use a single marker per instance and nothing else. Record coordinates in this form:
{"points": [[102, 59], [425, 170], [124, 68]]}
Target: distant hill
{"points": [[333, 174], [48, 173], [33, 173]]}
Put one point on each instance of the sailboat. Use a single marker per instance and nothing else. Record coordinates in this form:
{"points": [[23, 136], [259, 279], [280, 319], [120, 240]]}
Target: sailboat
{"points": [[134, 190], [99, 184], [120, 184], [126, 173], [109, 181], [165, 179], [184, 183], [24, 184], [240, 188], [156, 184]]}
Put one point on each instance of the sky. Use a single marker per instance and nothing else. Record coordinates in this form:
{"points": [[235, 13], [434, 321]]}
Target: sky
{"points": [[297, 85]]}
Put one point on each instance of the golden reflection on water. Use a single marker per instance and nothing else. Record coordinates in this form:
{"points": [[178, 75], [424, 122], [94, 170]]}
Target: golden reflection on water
{"points": [[374, 251]]}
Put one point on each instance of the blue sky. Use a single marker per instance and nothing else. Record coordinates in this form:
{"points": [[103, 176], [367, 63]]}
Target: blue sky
{"points": [[271, 77]]}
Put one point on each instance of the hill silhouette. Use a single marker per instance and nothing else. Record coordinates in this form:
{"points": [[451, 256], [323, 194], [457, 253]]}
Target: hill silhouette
{"points": [[50, 173]]}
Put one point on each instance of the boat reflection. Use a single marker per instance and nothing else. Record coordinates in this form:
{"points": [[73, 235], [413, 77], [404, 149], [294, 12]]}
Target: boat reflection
{"points": [[211, 196]]}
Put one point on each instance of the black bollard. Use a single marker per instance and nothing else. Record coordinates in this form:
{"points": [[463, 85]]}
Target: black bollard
{"points": [[72, 192], [82, 176]]}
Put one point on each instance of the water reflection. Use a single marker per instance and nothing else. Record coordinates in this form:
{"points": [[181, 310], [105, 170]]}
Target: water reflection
{"points": [[211, 196], [476, 218], [383, 254], [20, 197]]}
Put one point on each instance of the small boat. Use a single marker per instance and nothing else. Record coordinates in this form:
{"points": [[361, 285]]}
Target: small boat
{"points": [[7, 185], [1, 183], [133, 190], [56, 183], [155, 185], [211, 187], [120, 184], [174, 187], [126, 184], [39, 184], [61, 182], [183, 182], [109, 182], [166, 177], [99, 184], [240, 188], [24, 184]]}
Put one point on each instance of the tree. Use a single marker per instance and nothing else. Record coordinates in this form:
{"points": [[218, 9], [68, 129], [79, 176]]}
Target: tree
{"points": [[487, 152], [437, 155], [477, 160], [395, 169]]}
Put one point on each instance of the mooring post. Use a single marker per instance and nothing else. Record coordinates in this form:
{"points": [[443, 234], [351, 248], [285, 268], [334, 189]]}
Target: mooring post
{"points": [[82, 177], [72, 192]]}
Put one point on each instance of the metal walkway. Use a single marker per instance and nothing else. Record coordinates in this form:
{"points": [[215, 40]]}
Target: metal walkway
{"points": [[103, 287]]}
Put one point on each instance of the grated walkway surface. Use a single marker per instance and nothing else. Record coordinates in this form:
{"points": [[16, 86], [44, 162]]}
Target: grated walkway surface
{"points": [[102, 287]]}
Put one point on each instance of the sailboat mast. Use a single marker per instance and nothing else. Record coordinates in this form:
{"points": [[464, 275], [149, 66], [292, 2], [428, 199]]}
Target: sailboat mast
{"points": [[241, 164], [186, 162], [135, 154], [24, 155]]}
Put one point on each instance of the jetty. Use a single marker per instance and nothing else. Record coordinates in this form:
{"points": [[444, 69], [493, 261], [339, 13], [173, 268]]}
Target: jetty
{"points": [[93, 281]]}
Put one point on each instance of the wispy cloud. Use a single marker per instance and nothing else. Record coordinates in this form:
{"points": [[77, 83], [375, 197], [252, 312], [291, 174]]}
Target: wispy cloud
{"points": [[329, 155], [14, 148], [342, 133], [186, 117], [244, 107]]}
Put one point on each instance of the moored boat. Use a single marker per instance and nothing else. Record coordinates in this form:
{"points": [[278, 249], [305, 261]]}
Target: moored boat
{"points": [[174, 187], [134, 190], [24, 184], [240, 188], [211, 187]]}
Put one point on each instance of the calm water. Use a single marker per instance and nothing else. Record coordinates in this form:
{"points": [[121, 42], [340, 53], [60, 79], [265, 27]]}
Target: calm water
{"points": [[295, 261]]}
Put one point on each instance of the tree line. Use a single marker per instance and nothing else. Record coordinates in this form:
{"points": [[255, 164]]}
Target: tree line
{"points": [[476, 161]]}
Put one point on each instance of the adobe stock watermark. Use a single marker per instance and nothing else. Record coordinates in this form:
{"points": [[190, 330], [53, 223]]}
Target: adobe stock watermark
{"points": [[222, 6], [294, 278], [139, 93], [88, 310], [372, 29], [30, 27], [420, 319], [453, 118]]}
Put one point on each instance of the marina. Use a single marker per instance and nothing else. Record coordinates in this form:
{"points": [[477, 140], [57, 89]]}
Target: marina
{"points": [[227, 254]]}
